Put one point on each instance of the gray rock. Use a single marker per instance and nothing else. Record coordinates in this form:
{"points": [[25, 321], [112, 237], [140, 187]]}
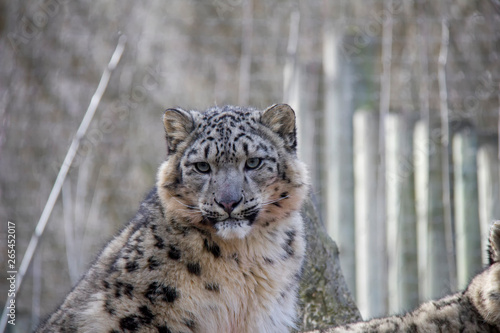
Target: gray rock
{"points": [[324, 296]]}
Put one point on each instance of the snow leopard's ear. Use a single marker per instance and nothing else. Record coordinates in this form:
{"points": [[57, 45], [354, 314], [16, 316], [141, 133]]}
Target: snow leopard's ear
{"points": [[281, 119], [178, 125], [494, 245]]}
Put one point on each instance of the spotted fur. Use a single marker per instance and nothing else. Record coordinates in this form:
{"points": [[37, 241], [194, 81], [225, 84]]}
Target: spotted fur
{"points": [[477, 309], [216, 246]]}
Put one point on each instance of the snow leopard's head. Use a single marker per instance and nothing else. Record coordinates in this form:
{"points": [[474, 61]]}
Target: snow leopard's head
{"points": [[230, 170]]}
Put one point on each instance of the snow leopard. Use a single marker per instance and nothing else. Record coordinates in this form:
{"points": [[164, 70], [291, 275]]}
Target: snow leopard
{"points": [[476, 309], [218, 243]]}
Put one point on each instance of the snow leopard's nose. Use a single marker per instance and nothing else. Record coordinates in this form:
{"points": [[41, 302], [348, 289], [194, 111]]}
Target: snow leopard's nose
{"points": [[228, 205]]}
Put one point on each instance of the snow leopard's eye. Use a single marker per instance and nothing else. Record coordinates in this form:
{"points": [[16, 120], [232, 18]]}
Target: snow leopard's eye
{"points": [[202, 167], [253, 163]]}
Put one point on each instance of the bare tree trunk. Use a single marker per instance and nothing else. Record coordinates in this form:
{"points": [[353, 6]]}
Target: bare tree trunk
{"points": [[338, 135], [445, 159], [371, 283], [422, 158], [488, 192], [467, 231], [401, 218]]}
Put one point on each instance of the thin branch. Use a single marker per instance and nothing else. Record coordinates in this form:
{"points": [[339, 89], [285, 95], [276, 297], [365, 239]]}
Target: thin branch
{"points": [[246, 53], [385, 84], [69, 232], [384, 106], [445, 163], [79, 218], [290, 69], [63, 171], [95, 205], [423, 34], [37, 290]]}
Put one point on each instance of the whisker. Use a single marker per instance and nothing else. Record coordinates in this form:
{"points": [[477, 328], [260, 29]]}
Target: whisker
{"points": [[273, 201], [191, 211], [188, 206]]}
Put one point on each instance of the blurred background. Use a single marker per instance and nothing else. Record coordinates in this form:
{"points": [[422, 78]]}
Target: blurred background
{"points": [[398, 109]]}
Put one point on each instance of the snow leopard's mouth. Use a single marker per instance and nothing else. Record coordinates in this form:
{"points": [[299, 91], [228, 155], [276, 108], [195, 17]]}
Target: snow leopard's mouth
{"points": [[231, 221], [231, 227]]}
